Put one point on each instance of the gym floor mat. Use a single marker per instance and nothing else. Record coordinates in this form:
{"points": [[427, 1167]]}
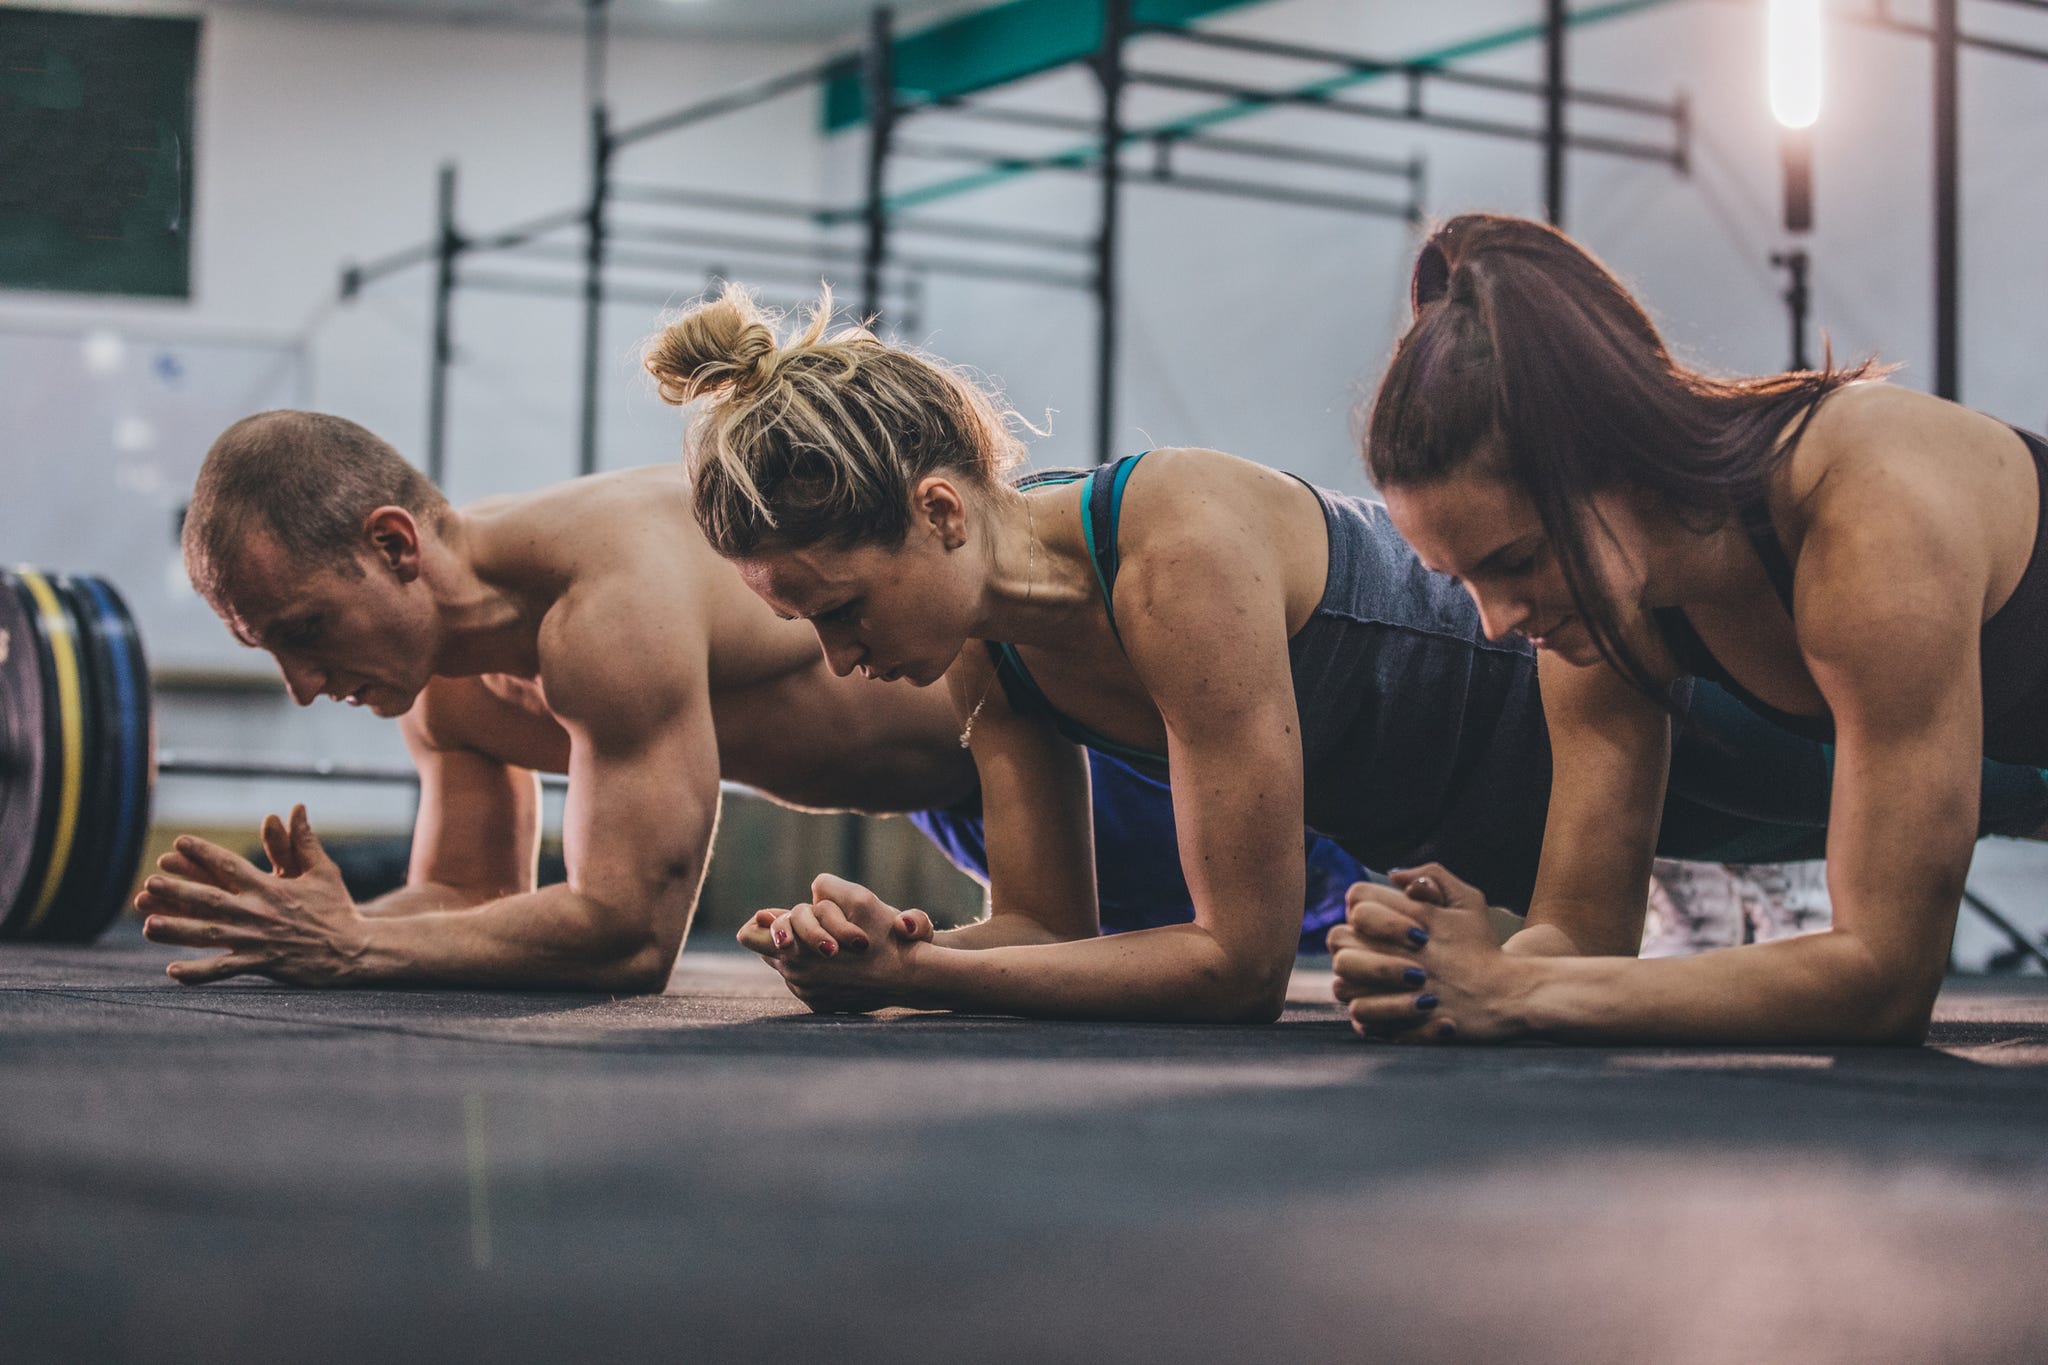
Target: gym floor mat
{"points": [[253, 1172]]}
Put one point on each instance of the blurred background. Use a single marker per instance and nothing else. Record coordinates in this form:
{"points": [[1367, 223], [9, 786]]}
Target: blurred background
{"points": [[385, 210]]}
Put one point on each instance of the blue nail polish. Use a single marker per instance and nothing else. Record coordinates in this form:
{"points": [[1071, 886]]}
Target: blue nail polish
{"points": [[1425, 1002], [1414, 976], [1447, 1030], [1418, 937]]}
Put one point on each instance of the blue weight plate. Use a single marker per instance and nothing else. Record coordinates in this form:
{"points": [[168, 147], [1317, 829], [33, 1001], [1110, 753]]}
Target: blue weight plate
{"points": [[131, 751]]}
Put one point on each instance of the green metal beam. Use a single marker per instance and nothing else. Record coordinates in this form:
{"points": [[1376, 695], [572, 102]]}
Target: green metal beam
{"points": [[1089, 153], [1002, 43]]}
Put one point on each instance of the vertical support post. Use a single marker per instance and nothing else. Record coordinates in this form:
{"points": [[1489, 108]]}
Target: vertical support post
{"points": [[1109, 72], [594, 235], [1947, 174], [448, 245], [1798, 298], [878, 80], [593, 287], [1553, 111]]}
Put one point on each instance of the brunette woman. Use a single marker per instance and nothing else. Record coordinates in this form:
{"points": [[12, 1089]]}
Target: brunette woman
{"points": [[1862, 564]]}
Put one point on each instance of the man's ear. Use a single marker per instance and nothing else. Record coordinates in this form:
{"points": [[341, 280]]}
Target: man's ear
{"points": [[936, 505], [393, 539]]}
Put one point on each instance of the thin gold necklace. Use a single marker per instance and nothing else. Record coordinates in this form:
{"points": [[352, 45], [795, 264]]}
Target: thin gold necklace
{"points": [[1030, 588]]}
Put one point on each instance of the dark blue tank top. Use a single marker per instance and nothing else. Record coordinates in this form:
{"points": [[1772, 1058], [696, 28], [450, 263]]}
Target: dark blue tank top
{"points": [[2013, 643]]}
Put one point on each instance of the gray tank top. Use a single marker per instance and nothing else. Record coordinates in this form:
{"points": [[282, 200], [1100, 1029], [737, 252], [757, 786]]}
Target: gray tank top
{"points": [[1421, 740]]}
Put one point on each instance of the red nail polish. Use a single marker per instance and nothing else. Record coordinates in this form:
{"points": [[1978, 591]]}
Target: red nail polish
{"points": [[828, 948]]}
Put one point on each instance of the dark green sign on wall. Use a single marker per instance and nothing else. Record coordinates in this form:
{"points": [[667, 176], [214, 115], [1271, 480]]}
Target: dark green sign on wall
{"points": [[96, 152]]}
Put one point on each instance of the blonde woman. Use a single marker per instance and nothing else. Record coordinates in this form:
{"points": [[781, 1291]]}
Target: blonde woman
{"points": [[1276, 646]]}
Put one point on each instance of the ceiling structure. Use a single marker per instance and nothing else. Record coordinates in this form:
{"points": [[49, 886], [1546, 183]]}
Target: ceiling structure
{"points": [[729, 20]]}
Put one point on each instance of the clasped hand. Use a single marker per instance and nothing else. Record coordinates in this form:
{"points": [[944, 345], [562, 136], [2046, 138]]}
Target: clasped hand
{"points": [[296, 924], [844, 951], [1417, 961]]}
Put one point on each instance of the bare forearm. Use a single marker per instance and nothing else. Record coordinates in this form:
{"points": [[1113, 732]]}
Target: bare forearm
{"points": [[421, 897], [1823, 988], [997, 931], [1541, 940], [1176, 973], [552, 939]]}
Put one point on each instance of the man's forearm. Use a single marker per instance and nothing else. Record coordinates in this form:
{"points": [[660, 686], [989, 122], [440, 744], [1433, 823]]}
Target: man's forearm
{"points": [[552, 939], [420, 897]]}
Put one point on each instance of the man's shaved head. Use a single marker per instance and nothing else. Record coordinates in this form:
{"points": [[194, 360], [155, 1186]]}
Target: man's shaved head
{"points": [[306, 480]]}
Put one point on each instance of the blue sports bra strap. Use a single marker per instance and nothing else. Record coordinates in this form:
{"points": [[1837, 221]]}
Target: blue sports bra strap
{"points": [[1100, 514]]}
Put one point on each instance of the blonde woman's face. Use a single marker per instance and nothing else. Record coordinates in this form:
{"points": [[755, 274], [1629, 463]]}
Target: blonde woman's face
{"points": [[886, 614]]}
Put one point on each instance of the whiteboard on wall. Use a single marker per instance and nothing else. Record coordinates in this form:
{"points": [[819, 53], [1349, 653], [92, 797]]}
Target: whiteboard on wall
{"points": [[101, 432]]}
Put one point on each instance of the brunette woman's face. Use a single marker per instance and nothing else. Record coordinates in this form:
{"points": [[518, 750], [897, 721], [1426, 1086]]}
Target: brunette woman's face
{"points": [[1484, 532], [885, 613]]}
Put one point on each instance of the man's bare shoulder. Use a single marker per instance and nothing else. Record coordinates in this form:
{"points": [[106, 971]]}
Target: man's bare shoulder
{"points": [[634, 520], [625, 646]]}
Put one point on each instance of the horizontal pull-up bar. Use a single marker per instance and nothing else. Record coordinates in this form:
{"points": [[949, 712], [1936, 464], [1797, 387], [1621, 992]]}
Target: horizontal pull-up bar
{"points": [[1405, 167], [1262, 191], [1410, 112], [827, 253], [1363, 65], [732, 101]]}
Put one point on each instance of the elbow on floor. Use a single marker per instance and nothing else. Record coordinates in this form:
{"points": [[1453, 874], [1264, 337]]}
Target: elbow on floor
{"points": [[1901, 1021], [1247, 997], [641, 969], [1895, 1011]]}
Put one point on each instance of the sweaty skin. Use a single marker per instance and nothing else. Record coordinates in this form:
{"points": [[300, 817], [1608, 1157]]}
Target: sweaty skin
{"points": [[584, 629], [1223, 561], [1909, 522]]}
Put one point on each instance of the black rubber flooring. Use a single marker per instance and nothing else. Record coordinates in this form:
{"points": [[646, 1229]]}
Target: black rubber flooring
{"points": [[254, 1173]]}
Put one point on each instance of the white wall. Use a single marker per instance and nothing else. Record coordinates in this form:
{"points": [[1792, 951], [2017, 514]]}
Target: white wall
{"points": [[318, 142]]}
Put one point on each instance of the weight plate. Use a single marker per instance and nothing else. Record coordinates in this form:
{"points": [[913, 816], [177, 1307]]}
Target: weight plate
{"points": [[77, 897], [131, 752], [62, 678], [23, 752]]}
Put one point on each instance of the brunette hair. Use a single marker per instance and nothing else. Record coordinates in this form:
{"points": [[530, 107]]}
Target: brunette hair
{"points": [[1527, 352], [306, 479], [817, 438]]}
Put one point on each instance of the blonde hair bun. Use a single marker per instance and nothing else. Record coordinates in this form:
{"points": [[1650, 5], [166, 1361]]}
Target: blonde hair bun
{"points": [[817, 437], [725, 346]]}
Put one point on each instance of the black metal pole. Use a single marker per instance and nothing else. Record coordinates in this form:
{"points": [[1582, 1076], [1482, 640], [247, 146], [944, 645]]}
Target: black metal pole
{"points": [[601, 147], [447, 246], [593, 287], [1798, 298], [1553, 111], [878, 80], [1947, 174], [1109, 72]]}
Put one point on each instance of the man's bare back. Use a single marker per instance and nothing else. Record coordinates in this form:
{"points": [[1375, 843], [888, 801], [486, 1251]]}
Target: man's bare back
{"points": [[785, 725]]}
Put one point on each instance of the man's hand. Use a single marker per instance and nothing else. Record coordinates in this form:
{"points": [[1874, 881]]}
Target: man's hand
{"points": [[1418, 961], [842, 952], [296, 925]]}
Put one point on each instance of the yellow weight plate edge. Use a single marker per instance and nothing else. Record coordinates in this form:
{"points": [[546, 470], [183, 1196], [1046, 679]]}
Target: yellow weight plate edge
{"points": [[71, 719]]}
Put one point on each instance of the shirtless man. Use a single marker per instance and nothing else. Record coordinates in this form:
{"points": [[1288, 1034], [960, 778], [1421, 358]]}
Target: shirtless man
{"points": [[585, 629]]}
